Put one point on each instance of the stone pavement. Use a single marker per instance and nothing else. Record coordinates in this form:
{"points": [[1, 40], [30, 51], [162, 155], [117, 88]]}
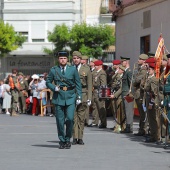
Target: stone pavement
{"points": [[31, 143]]}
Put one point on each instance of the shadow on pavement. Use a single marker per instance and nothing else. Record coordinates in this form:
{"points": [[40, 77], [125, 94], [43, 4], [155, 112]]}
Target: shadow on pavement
{"points": [[142, 139], [46, 146], [54, 141]]}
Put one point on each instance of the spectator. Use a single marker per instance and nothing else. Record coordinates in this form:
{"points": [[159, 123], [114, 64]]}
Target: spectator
{"points": [[42, 95], [1, 94], [7, 98], [33, 86]]}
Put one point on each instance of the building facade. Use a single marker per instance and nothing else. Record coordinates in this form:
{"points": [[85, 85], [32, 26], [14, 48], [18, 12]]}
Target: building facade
{"points": [[34, 18], [138, 26]]}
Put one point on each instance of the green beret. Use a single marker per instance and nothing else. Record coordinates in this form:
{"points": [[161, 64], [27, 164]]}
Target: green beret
{"points": [[77, 53], [165, 57], [151, 54], [20, 73], [84, 57], [122, 68], [124, 58], [143, 56]]}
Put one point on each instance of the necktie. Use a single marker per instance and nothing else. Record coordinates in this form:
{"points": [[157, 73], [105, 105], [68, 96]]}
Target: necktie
{"points": [[63, 70]]}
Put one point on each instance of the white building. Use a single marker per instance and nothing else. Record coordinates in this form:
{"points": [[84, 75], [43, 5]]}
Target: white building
{"points": [[34, 18]]}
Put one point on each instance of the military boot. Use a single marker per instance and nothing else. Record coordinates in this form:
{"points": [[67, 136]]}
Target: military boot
{"points": [[13, 113], [127, 129]]}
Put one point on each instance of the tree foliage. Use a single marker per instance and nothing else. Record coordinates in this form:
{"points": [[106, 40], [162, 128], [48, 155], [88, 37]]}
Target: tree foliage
{"points": [[9, 39], [88, 39]]}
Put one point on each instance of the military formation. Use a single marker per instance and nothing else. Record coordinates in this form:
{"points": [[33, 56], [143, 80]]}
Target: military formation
{"points": [[84, 89]]}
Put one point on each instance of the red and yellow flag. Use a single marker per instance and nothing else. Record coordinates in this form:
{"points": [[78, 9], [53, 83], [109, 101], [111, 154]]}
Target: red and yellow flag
{"points": [[159, 55]]}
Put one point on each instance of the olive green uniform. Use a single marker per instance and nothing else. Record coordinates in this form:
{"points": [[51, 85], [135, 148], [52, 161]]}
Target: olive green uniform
{"points": [[117, 102], [99, 79], [150, 88], [160, 97], [79, 116], [22, 97], [138, 95], [15, 95], [124, 90], [95, 113]]}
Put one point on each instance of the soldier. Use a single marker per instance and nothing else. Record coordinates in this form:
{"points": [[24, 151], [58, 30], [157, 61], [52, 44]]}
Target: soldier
{"points": [[92, 66], [84, 62], [117, 102], [113, 83], [67, 91], [139, 93], [160, 98], [14, 84], [150, 88], [166, 102], [99, 79], [23, 94], [80, 113], [125, 91]]}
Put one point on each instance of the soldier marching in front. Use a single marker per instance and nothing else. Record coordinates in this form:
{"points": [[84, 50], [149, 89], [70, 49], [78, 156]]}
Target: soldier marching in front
{"points": [[139, 93], [80, 113], [66, 93]]}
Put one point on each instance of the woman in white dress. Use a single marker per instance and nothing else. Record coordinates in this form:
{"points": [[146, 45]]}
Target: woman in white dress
{"points": [[7, 98]]}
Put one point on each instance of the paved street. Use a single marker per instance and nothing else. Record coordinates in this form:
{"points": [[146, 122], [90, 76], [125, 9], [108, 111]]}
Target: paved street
{"points": [[31, 143]]}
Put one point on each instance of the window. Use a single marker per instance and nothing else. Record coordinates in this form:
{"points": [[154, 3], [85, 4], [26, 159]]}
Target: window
{"points": [[146, 19], [38, 40], [145, 44]]}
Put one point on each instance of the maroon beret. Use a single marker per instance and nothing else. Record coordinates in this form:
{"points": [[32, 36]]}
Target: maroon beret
{"points": [[98, 63], [150, 60], [116, 62], [152, 65]]}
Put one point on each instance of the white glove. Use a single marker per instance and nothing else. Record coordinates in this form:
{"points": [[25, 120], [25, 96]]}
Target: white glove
{"points": [[144, 107], [78, 101], [88, 102], [57, 88]]}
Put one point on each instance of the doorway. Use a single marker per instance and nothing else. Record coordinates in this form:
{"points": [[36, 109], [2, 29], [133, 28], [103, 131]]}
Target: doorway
{"points": [[145, 44]]}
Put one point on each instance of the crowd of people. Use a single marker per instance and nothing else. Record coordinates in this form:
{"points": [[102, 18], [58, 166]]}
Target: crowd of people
{"points": [[80, 88], [21, 94]]}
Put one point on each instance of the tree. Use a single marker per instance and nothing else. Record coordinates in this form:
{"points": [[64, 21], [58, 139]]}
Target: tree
{"points": [[9, 39], [88, 39]]}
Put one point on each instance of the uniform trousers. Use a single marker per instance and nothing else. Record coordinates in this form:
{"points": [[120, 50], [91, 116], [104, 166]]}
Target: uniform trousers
{"points": [[151, 114], [100, 103], [14, 100], [79, 118], [22, 102], [129, 112], [64, 115], [142, 114]]}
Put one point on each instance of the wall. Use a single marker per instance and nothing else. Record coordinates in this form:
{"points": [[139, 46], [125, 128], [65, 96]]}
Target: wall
{"points": [[129, 30]]}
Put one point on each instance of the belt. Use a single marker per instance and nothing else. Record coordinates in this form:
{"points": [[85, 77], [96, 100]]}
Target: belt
{"points": [[84, 86], [95, 87], [65, 88]]}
